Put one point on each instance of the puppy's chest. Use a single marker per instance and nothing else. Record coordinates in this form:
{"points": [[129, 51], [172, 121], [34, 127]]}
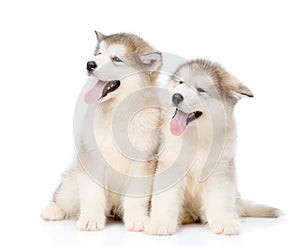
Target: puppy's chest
{"points": [[124, 140], [193, 179], [108, 143]]}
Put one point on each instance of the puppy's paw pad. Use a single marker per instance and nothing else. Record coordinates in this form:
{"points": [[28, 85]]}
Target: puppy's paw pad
{"points": [[90, 224], [225, 227], [136, 224], [53, 213], [161, 228]]}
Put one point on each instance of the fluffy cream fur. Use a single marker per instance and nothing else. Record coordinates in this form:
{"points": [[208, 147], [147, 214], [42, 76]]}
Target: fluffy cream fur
{"points": [[207, 191], [79, 195]]}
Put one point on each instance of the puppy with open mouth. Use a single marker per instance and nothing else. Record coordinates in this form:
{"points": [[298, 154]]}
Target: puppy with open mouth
{"points": [[121, 112], [200, 145]]}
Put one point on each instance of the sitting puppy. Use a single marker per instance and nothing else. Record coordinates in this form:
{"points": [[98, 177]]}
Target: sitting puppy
{"points": [[195, 177], [117, 144]]}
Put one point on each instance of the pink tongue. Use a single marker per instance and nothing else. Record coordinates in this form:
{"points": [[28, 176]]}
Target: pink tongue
{"points": [[95, 93], [178, 123]]}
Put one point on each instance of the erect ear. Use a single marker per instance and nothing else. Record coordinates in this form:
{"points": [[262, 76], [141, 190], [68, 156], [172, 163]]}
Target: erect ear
{"points": [[238, 90], [152, 60], [100, 36]]}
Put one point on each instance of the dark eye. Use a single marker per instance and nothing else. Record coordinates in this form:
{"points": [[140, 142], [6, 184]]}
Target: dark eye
{"points": [[180, 82], [200, 90], [116, 59]]}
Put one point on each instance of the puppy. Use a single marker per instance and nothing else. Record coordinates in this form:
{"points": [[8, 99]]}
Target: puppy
{"points": [[195, 177], [118, 141]]}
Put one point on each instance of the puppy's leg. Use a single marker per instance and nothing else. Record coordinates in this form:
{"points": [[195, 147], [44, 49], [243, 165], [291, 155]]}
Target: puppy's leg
{"points": [[92, 203], [218, 204], [65, 202], [136, 203], [165, 208], [136, 212]]}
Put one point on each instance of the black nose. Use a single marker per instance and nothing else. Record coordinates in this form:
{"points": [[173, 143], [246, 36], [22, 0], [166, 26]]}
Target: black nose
{"points": [[91, 65], [177, 98]]}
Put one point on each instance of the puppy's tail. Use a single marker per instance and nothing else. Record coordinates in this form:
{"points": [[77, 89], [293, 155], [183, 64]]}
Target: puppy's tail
{"points": [[250, 209]]}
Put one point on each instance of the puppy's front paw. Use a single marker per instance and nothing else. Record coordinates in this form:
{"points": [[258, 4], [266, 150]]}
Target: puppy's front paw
{"points": [[225, 226], [135, 223], [161, 228], [52, 213], [90, 224]]}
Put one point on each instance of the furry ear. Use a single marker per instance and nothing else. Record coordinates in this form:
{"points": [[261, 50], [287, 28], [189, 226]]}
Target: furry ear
{"points": [[100, 36], [151, 60], [238, 90], [242, 91]]}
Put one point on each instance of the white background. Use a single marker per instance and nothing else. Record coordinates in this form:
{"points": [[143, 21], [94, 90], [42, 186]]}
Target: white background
{"points": [[43, 52]]}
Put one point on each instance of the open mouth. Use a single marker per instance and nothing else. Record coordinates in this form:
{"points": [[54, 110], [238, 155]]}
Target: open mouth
{"points": [[181, 119], [100, 90]]}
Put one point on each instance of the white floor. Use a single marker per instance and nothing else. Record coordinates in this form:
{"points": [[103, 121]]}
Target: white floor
{"points": [[254, 232]]}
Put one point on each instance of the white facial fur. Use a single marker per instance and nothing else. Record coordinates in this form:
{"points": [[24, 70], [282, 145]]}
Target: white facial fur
{"points": [[107, 69], [193, 99]]}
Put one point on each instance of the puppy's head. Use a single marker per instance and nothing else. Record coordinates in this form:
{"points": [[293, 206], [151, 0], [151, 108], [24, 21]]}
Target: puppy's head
{"points": [[122, 62], [203, 89]]}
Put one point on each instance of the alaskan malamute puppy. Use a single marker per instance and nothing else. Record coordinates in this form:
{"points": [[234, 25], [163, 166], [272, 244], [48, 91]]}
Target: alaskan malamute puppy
{"points": [[102, 181], [200, 142]]}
